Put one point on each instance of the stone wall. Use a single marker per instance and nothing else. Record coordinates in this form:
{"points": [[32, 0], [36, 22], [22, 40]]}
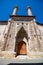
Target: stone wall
{"points": [[10, 40], [2, 32], [40, 35], [33, 30]]}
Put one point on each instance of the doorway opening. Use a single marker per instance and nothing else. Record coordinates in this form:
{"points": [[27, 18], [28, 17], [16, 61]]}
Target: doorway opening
{"points": [[21, 48]]}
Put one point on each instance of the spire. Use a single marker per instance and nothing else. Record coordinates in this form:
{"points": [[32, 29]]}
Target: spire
{"points": [[29, 11], [15, 10]]}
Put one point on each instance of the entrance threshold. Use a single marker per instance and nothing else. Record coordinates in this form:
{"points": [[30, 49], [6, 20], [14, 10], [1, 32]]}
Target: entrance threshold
{"points": [[22, 56]]}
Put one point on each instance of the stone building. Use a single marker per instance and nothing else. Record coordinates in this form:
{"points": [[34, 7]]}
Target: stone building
{"points": [[21, 36]]}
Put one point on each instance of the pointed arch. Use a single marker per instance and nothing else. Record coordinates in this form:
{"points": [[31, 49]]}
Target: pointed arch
{"points": [[24, 26], [22, 33]]}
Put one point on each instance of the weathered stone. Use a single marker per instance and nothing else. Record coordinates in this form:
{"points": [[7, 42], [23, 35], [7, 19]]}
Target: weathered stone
{"points": [[21, 29]]}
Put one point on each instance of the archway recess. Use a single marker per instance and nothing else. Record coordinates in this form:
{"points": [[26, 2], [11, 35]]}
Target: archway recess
{"points": [[21, 41]]}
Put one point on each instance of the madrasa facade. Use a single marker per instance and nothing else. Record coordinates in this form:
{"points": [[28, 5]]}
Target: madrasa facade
{"points": [[21, 36]]}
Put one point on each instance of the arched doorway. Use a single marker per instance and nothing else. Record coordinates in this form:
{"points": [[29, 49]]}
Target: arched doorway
{"points": [[21, 48]]}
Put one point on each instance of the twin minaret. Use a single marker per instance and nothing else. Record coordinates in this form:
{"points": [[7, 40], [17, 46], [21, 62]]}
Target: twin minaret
{"points": [[28, 8], [15, 10]]}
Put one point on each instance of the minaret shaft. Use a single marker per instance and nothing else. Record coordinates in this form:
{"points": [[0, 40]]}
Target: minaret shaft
{"points": [[29, 11], [15, 10]]}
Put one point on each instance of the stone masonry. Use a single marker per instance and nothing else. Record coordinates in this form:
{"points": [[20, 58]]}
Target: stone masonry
{"points": [[33, 35]]}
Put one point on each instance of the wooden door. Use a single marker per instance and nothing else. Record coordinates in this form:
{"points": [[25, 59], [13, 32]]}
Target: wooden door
{"points": [[21, 50]]}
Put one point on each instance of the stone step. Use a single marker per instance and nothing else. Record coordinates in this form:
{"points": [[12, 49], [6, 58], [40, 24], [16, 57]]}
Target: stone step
{"points": [[22, 57]]}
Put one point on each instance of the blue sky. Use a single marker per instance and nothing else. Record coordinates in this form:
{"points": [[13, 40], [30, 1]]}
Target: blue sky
{"points": [[7, 6]]}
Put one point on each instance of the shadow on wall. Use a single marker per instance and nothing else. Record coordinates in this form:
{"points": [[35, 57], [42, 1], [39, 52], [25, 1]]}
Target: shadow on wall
{"points": [[25, 64]]}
